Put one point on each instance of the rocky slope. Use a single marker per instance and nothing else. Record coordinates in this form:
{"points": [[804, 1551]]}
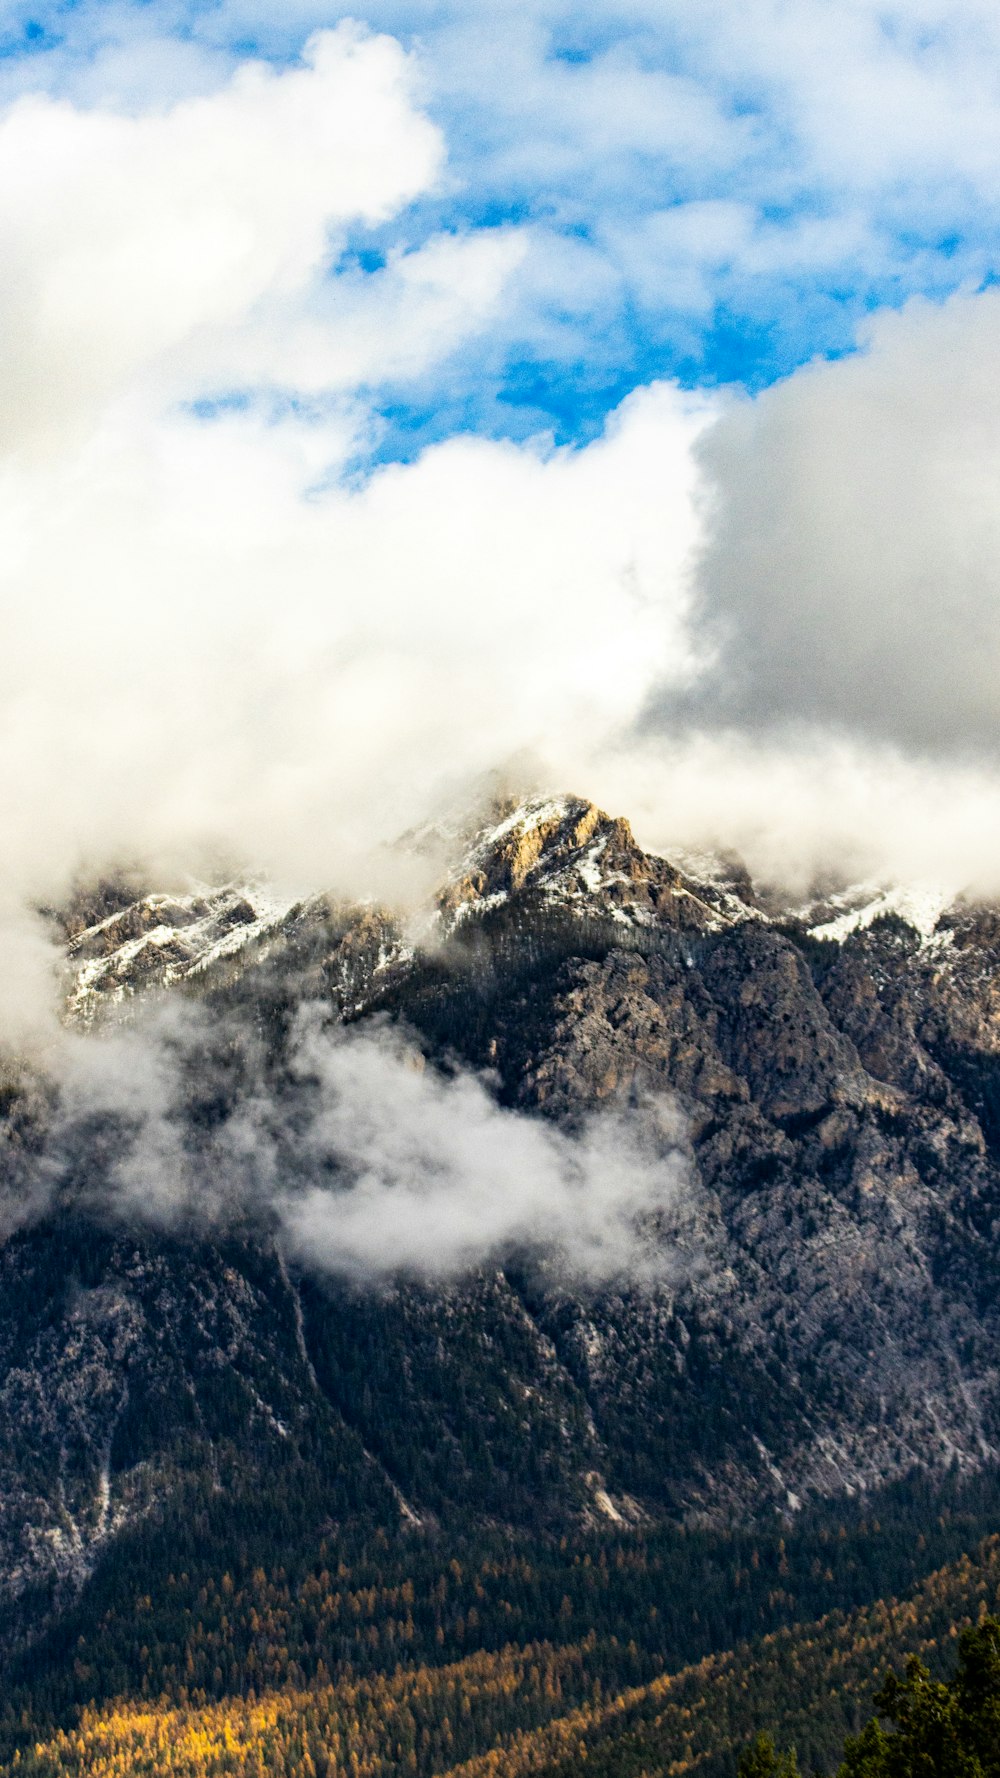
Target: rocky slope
{"points": [[833, 1321]]}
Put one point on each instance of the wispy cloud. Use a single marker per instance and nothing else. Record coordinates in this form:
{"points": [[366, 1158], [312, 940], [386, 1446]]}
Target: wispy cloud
{"points": [[360, 1158]]}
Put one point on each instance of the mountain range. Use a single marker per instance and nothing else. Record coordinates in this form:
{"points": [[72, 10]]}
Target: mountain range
{"points": [[801, 1315]]}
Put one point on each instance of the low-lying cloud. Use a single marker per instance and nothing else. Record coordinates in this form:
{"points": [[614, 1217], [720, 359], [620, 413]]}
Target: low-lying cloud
{"points": [[361, 1158]]}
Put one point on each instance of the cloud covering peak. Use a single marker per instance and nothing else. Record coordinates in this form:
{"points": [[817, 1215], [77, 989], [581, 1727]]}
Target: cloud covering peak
{"points": [[334, 470]]}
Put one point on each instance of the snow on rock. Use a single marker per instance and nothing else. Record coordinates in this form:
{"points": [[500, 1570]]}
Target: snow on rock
{"points": [[571, 857], [556, 856], [159, 940], [854, 910]]}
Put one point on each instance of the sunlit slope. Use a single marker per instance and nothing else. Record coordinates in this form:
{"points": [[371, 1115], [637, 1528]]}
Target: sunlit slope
{"points": [[811, 1683], [504, 1715]]}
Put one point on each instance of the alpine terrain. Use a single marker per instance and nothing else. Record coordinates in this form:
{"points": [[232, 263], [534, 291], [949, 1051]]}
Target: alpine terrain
{"points": [[801, 1341]]}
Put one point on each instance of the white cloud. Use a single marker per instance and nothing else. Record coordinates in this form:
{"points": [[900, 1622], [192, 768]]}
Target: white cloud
{"points": [[852, 573], [851, 146], [879, 96], [367, 1161], [133, 244], [197, 648], [414, 313]]}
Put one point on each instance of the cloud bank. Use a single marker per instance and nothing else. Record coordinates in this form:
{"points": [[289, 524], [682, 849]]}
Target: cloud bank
{"points": [[767, 621], [851, 575]]}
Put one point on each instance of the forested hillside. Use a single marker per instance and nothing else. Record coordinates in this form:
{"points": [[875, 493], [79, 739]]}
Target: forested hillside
{"points": [[560, 1709], [234, 1593]]}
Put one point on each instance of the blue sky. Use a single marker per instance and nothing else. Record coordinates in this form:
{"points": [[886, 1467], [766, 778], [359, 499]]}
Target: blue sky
{"points": [[715, 194]]}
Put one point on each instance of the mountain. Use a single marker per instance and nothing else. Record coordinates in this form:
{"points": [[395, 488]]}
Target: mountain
{"points": [[819, 1317]]}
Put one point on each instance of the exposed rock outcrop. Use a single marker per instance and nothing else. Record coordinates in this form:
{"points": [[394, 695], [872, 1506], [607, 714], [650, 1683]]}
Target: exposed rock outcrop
{"points": [[831, 1320]]}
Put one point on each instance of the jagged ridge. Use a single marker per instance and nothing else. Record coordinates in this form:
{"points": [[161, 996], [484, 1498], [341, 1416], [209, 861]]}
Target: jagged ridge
{"points": [[838, 1068]]}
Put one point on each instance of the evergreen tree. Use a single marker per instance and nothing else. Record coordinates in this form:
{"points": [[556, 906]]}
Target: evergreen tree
{"points": [[761, 1760], [940, 1729]]}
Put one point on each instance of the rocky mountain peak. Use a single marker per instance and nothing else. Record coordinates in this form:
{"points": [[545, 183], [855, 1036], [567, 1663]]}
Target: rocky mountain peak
{"points": [[568, 854], [558, 855], [550, 857], [831, 1322]]}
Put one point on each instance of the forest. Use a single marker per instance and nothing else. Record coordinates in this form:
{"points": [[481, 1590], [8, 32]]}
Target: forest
{"points": [[617, 1655], [544, 1709]]}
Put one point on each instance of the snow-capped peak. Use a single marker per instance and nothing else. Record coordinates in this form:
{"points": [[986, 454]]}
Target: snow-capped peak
{"points": [[159, 940], [855, 909]]}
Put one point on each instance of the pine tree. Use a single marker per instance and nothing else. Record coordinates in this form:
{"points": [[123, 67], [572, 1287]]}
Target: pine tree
{"points": [[761, 1760], [939, 1729]]}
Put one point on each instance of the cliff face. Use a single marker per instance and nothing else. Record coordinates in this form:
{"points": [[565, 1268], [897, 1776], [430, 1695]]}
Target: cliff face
{"points": [[829, 1319]]}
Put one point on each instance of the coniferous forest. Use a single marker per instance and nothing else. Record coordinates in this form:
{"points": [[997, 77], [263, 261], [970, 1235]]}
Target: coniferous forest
{"points": [[203, 1647]]}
